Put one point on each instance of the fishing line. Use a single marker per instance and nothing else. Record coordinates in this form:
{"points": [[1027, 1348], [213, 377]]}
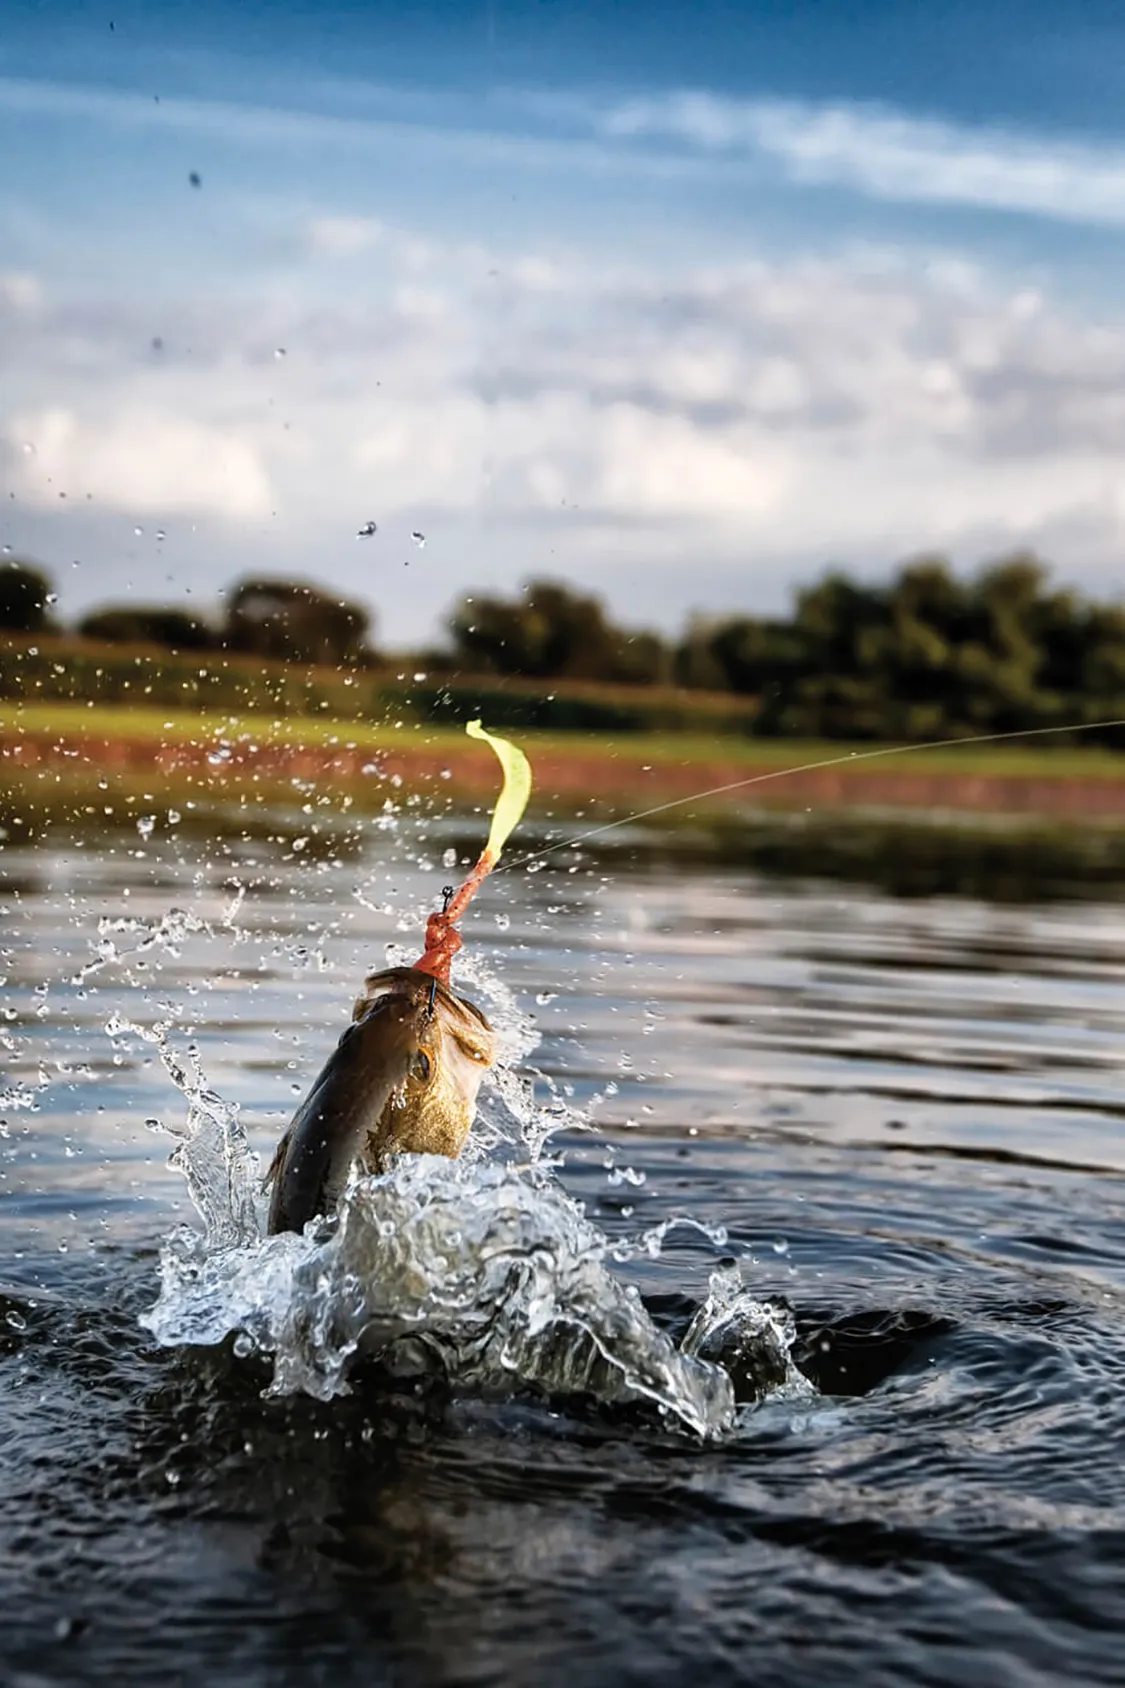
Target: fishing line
{"points": [[802, 768]]}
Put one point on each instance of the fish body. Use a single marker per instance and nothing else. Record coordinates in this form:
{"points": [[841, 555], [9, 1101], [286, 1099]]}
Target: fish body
{"points": [[404, 1077]]}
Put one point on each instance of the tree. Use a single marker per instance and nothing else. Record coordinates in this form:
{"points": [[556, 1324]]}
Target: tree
{"points": [[694, 663], [25, 597], [552, 632], [148, 624], [930, 656], [296, 622]]}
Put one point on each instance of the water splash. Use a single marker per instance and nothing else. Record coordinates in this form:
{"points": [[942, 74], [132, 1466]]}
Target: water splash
{"points": [[489, 1276], [750, 1339], [482, 1271], [212, 1150], [168, 933]]}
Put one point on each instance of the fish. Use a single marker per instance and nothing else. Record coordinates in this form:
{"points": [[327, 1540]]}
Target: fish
{"points": [[405, 1075], [403, 1078]]}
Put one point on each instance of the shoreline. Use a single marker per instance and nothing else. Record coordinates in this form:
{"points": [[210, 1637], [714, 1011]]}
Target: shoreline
{"points": [[47, 753]]}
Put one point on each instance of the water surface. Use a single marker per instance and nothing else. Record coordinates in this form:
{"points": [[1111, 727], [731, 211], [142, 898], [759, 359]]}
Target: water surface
{"points": [[900, 1118]]}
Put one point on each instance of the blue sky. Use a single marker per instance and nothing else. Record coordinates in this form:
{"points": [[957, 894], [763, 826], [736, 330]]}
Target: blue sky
{"points": [[682, 304]]}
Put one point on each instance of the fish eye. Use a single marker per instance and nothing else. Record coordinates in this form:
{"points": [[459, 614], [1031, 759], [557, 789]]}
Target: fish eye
{"points": [[421, 1068]]}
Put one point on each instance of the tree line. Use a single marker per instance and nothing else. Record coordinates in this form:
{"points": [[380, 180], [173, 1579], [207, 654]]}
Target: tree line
{"points": [[928, 654]]}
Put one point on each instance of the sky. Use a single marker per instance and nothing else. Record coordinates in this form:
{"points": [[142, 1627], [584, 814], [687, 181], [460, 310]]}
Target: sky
{"points": [[682, 304]]}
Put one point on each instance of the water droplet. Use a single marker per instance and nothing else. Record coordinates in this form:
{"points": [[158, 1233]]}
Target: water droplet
{"points": [[449, 858], [421, 675], [145, 824], [366, 531], [243, 1345], [138, 531], [15, 1320], [503, 921], [52, 597], [279, 351], [544, 997], [780, 1246], [419, 539]]}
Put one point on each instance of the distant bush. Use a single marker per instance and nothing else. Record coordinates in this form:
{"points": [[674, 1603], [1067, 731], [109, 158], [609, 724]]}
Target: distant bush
{"points": [[552, 632], [292, 621], [568, 707], [148, 624], [38, 668], [78, 669], [928, 656], [25, 594]]}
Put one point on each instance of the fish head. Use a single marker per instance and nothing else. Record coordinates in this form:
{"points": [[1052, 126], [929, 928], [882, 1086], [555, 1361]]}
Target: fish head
{"points": [[432, 1110], [403, 1078]]}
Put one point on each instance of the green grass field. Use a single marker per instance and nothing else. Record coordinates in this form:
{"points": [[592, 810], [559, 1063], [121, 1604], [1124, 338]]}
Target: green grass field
{"points": [[1041, 757], [87, 770]]}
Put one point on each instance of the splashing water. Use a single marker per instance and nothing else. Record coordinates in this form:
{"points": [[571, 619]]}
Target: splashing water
{"points": [[486, 1274], [482, 1271], [212, 1152]]}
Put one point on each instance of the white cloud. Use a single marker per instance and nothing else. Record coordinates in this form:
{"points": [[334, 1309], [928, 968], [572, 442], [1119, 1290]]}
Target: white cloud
{"points": [[142, 462], [654, 465], [20, 292], [690, 429], [344, 237], [893, 156]]}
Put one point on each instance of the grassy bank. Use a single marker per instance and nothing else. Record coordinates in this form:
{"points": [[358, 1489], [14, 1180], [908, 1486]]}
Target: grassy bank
{"points": [[68, 723], [65, 761], [61, 668]]}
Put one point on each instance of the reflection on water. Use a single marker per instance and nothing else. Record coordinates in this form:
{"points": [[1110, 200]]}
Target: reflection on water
{"points": [[902, 1118]]}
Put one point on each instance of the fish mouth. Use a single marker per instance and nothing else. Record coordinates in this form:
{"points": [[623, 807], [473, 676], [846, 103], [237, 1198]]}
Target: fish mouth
{"points": [[403, 1079], [426, 991]]}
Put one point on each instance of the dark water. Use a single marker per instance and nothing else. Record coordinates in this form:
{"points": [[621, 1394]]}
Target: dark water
{"points": [[907, 1116]]}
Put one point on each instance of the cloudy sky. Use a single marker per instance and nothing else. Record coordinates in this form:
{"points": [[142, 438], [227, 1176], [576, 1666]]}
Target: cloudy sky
{"points": [[679, 302]]}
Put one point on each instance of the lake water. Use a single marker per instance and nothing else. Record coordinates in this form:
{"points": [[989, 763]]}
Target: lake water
{"points": [[901, 1119]]}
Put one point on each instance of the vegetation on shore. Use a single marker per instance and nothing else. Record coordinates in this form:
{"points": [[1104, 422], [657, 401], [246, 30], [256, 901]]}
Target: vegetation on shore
{"points": [[927, 655]]}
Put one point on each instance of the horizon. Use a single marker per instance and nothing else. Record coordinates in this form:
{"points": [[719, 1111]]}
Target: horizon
{"points": [[681, 316], [441, 640]]}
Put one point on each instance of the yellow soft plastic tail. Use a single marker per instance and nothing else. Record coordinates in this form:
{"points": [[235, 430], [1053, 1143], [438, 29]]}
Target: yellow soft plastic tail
{"points": [[514, 792]]}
